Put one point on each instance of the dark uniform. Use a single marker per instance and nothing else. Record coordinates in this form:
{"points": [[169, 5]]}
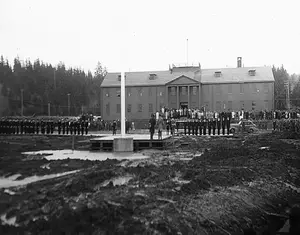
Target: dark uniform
{"points": [[82, 127], [204, 126], [223, 124], [189, 127], [200, 127], [63, 127], [219, 125], [196, 126], [37, 127], [78, 127], [86, 127], [214, 123], [67, 127], [184, 126], [59, 127], [72, 128], [209, 126], [228, 124], [193, 127]]}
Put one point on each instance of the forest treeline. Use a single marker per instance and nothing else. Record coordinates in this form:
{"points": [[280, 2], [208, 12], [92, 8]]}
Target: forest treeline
{"points": [[41, 84]]}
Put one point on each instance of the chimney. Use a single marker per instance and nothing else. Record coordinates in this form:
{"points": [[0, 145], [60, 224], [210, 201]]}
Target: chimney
{"points": [[239, 62]]}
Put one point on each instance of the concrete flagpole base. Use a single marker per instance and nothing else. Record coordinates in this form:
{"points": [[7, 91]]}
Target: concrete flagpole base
{"points": [[123, 144]]}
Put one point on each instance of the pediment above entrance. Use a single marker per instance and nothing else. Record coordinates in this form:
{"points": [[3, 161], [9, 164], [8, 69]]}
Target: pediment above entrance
{"points": [[183, 80]]}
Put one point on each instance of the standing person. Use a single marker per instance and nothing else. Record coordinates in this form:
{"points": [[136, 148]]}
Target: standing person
{"points": [[214, 123], [196, 126], [114, 127], [209, 126], [184, 126], [37, 127], [152, 123], [204, 126], [219, 125], [223, 124], [78, 127], [228, 125], [168, 126], [86, 127], [67, 127], [189, 127], [200, 126], [59, 126], [193, 127], [160, 127], [63, 127], [173, 125]]}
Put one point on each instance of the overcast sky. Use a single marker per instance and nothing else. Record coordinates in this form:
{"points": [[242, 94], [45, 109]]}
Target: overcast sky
{"points": [[150, 35]]}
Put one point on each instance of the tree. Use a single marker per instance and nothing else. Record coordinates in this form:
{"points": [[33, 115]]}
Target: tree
{"points": [[280, 76]]}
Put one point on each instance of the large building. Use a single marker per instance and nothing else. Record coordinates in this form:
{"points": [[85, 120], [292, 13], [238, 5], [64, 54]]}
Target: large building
{"points": [[248, 88]]}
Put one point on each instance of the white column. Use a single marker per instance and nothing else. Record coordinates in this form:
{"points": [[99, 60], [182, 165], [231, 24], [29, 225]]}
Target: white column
{"points": [[123, 103]]}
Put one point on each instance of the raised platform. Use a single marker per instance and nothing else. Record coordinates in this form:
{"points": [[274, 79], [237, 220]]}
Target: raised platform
{"points": [[140, 141]]}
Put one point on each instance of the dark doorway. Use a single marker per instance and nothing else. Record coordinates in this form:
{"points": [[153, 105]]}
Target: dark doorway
{"points": [[184, 105]]}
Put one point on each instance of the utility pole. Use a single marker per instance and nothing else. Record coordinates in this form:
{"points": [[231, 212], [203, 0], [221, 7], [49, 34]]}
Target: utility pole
{"points": [[22, 103], [68, 104], [49, 109]]}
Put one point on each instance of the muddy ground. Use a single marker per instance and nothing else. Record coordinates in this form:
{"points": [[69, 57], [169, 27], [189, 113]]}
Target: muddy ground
{"points": [[196, 186]]}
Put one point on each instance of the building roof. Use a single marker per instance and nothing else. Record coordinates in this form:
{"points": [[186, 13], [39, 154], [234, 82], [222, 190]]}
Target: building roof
{"points": [[228, 75]]}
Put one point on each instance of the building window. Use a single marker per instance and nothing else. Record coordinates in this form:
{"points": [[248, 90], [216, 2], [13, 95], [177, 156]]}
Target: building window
{"points": [[229, 88], [107, 92], [129, 108], [266, 87], [119, 77], [242, 104], [173, 91], [252, 72], [183, 90], [140, 91], [194, 90], [230, 105], [218, 89], [140, 108], [242, 88], [129, 91], [118, 93], [218, 74], [118, 108], [107, 109], [218, 106], [150, 91], [150, 108], [266, 104], [253, 105]]}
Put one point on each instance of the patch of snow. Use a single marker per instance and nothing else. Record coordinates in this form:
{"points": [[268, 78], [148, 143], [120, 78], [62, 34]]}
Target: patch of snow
{"points": [[11, 182], [10, 192], [10, 221], [46, 166], [118, 180], [86, 155], [264, 147]]}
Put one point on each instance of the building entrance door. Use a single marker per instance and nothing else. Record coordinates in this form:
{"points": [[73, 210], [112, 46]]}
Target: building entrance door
{"points": [[184, 105]]}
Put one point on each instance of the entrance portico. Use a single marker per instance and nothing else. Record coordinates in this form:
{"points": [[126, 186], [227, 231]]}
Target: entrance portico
{"points": [[183, 92]]}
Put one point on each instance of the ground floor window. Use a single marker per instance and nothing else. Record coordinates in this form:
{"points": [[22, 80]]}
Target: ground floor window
{"points": [[129, 108], [140, 108], [150, 108], [107, 109]]}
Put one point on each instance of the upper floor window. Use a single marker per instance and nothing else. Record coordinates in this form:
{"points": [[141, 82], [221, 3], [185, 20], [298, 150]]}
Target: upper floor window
{"points": [[242, 88], [229, 88], [252, 72], [194, 90], [218, 74], [173, 92], [129, 91], [266, 87]]}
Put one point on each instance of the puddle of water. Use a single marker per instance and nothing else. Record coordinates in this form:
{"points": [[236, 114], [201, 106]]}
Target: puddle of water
{"points": [[9, 192], [264, 147], [86, 155], [117, 181], [46, 166], [10, 221], [11, 182]]}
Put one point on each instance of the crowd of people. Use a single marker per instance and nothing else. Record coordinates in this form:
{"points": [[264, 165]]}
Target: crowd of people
{"points": [[63, 126]]}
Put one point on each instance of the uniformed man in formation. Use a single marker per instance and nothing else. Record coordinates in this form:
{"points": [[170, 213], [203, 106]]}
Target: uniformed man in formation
{"points": [[207, 125], [25, 126]]}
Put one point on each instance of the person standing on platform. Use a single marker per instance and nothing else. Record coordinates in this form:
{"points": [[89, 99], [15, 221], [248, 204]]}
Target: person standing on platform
{"points": [[189, 127], [52, 126], [184, 126], [193, 126], [219, 125], [160, 127], [114, 127], [152, 123], [168, 125], [78, 127], [86, 127], [214, 123]]}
